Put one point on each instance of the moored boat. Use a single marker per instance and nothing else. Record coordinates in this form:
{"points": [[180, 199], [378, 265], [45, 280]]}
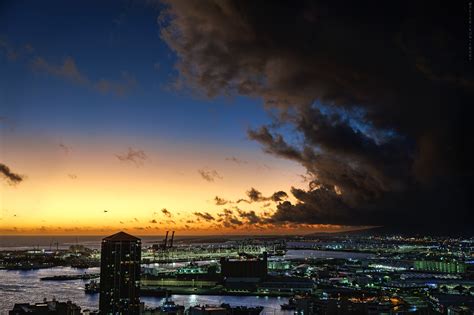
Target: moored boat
{"points": [[92, 287], [290, 306]]}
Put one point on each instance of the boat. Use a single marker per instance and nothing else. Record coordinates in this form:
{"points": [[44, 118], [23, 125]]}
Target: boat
{"points": [[169, 307], [80, 265], [280, 249], [224, 308], [92, 287], [85, 276], [290, 306], [242, 310], [280, 252]]}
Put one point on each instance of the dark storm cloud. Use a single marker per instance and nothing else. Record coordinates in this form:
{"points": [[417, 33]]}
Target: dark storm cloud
{"points": [[279, 196], [209, 175], [204, 215], [11, 177], [377, 96], [256, 196], [137, 157]]}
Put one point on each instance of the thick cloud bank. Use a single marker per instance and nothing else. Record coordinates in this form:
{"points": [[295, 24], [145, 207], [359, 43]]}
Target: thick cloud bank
{"points": [[372, 98]]}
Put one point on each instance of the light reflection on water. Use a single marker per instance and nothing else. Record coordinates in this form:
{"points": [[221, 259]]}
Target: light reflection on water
{"points": [[26, 287]]}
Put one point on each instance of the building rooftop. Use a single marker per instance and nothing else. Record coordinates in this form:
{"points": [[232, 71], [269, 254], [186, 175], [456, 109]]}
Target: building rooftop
{"points": [[121, 237]]}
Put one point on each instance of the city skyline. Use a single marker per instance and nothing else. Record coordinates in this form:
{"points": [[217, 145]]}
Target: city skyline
{"points": [[227, 118]]}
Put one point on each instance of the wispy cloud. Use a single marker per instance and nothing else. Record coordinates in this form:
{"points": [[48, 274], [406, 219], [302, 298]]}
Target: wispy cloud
{"points": [[209, 175], [7, 49], [236, 160], [7, 123], [206, 216], [122, 87], [66, 149], [14, 53], [220, 201], [228, 219], [69, 70], [166, 212], [11, 177], [137, 157]]}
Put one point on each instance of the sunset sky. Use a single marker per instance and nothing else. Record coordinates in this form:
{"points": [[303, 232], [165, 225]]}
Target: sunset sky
{"points": [[210, 118], [64, 133]]}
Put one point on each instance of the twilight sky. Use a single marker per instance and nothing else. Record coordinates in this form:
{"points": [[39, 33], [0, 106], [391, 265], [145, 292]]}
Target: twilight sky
{"points": [[212, 117]]}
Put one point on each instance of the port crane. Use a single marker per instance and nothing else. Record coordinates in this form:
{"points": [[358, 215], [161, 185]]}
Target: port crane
{"points": [[165, 243]]}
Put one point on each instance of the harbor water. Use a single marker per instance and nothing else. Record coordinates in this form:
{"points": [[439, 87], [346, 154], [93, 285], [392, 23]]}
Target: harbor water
{"points": [[26, 287]]}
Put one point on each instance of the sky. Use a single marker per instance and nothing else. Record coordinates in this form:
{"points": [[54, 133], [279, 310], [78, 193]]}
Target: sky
{"points": [[225, 117], [64, 133]]}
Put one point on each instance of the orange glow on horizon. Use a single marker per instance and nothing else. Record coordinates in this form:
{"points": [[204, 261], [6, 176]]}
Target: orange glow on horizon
{"points": [[87, 190]]}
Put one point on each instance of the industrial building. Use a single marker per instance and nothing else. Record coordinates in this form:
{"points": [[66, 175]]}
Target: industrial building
{"points": [[244, 273], [244, 268], [445, 266]]}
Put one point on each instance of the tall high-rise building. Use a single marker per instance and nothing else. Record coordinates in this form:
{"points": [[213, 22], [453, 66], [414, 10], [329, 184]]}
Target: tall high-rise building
{"points": [[120, 274]]}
